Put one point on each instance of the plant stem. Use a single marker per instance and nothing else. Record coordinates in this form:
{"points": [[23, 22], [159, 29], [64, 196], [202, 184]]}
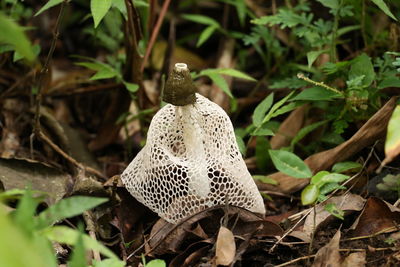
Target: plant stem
{"points": [[321, 84]]}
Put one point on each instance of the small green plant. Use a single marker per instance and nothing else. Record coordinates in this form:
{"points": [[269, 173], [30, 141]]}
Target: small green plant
{"points": [[26, 236], [390, 183]]}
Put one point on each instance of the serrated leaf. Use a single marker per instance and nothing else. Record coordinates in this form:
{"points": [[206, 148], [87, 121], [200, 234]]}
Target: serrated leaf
{"points": [[290, 164], [265, 179], [382, 5], [99, 9], [261, 109], [66, 208], [221, 83], [205, 34], [309, 194], [66, 235], [48, 5], [13, 34]]}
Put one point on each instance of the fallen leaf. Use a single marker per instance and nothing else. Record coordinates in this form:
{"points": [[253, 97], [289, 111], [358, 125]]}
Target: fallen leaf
{"points": [[356, 259], [371, 131], [329, 254], [225, 247], [347, 202], [377, 216], [21, 173], [289, 128]]}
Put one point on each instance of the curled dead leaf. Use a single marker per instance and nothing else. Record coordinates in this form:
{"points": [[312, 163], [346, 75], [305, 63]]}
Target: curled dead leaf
{"points": [[225, 247]]}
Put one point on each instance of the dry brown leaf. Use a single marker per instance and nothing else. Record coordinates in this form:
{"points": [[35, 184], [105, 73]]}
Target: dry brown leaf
{"points": [[371, 131], [328, 255], [377, 216], [347, 202], [225, 247], [356, 259], [289, 128]]}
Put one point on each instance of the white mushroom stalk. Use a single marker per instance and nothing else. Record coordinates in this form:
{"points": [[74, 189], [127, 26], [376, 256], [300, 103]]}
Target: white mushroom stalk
{"points": [[191, 160]]}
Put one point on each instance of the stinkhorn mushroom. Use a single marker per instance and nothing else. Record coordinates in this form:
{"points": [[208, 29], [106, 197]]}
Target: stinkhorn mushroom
{"points": [[191, 160]]}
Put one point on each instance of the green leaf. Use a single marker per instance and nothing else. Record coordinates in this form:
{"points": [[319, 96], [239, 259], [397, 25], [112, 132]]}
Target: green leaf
{"points": [[13, 34], [156, 263], [313, 55], [306, 130], [66, 235], [262, 157], [332, 178], [391, 81], [221, 83], [78, 257], [201, 19], [48, 5], [241, 144], [290, 164], [329, 187], [103, 71], [261, 109], [265, 179], [132, 87], [382, 5], [317, 178], [309, 194], [316, 93], [274, 110], [16, 250], [205, 34], [362, 65], [66, 208], [235, 73], [24, 214], [99, 9], [346, 166], [334, 210], [35, 48], [104, 74], [263, 132]]}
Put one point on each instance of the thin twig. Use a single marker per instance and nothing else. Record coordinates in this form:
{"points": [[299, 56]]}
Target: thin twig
{"points": [[155, 33]]}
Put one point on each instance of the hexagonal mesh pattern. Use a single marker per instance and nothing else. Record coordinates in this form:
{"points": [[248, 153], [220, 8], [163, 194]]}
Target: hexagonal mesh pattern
{"points": [[190, 162]]}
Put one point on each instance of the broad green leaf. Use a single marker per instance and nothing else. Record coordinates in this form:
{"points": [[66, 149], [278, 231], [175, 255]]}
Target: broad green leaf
{"points": [[265, 179], [78, 257], [104, 74], [48, 5], [334, 210], [35, 48], [317, 178], [333, 178], [382, 5], [272, 112], [392, 143], [205, 34], [16, 249], [261, 109], [66, 235], [290, 164], [132, 87], [329, 187], [392, 81], [99, 9], [306, 130], [221, 83], [201, 19], [156, 263], [24, 214], [313, 55], [12, 34], [316, 94], [362, 65], [66, 208], [346, 166], [309, 194], [109, 263]]}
